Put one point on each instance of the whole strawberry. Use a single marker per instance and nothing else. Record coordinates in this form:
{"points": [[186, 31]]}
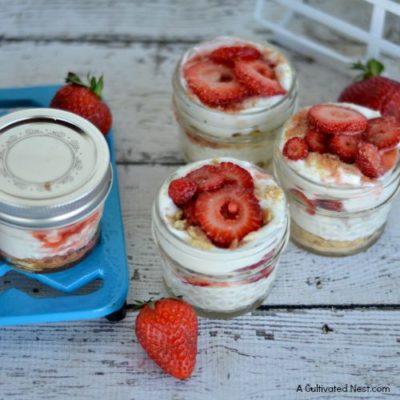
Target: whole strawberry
{"points": [[167, 331], [84, 100], [374, 91]]}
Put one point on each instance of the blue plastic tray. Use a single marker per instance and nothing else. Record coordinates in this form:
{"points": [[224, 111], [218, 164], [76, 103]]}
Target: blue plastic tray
{"points": [[107, 262]]}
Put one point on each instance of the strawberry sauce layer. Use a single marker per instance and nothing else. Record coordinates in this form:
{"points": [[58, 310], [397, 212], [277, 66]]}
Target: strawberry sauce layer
{"points": [[233, 75], [69, 236]]}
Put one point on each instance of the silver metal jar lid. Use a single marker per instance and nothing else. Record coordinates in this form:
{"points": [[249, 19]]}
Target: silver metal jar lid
{"points": [[54, 168]]}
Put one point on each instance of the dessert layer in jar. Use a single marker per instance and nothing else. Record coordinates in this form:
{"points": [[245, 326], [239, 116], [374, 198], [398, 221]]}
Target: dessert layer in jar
{"points": [[51, 249], [232, 277], [218, 114], [336, 209]]}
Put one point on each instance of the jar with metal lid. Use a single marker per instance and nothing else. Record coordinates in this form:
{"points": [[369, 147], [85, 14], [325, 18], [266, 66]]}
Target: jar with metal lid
{"points": [[55, 175], [245, 131]]}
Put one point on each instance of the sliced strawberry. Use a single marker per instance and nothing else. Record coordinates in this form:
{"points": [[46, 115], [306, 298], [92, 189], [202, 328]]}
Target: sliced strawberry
{"points": [[345, 147], [182, 190], [389, 159], [336, 119], [228, 214], [258, 77], [383, 132], [215, 85], [295, 148], [303, 199], [368, 160], [317, 141], [327, 204], [234, 174], [228, 55], [207, 178], [188, 213]]}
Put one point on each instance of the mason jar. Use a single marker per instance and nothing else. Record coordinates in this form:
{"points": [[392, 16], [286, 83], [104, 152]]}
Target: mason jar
{"points": [[336, 220], [245, 134], [55, 175], [219, 283]]}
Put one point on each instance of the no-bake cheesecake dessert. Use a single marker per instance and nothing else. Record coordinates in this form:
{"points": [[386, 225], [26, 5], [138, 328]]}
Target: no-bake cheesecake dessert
{"points": [[55, 175], [220, 225], [230, 97], [338, 163]]}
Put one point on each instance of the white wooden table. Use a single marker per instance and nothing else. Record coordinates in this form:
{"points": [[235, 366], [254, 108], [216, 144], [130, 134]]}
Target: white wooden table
{"points": [[328, 321]]}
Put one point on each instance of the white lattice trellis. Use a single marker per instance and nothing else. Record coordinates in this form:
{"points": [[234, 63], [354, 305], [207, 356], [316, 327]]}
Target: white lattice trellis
{"points": [[374, 40]]}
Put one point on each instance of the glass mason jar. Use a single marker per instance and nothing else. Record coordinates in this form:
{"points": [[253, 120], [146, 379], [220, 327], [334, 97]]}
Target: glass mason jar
{"points": [[336, 220], [219, 283], [247, 134], [55, 176]]}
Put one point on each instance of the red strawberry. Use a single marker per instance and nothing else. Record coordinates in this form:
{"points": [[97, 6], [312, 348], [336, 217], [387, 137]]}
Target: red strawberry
{"points": [[383, 132], [234, 174], [336, 119], [167, 331], [188, 213], [215, 85], [389, 159], [345, 147], [369, 160], [258, 77], [84, 100], [317, 141], [182, 190], [228, 214], [331, 205], [207, 178], [374, 91], [295, 148], [228, 55], [303, 199]]}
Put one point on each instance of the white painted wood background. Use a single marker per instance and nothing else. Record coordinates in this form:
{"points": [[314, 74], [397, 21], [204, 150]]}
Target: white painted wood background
{"points": [[263, 355]]}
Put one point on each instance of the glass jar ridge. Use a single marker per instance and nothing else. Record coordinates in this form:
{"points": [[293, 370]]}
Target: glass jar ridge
{"points": [[248, 134]]}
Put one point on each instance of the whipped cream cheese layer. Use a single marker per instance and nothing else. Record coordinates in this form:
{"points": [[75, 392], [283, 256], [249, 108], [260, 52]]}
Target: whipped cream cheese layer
{"points": [[283, 71], [275, 203], [23, 244]]}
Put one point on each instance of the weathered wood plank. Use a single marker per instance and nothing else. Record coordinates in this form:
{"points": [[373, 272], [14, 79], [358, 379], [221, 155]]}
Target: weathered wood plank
{"points": [[138, 87], [275, 353], [372, 277], [124, 20]]}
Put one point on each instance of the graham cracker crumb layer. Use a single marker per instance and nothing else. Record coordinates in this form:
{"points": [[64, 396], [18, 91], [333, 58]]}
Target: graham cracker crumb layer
{"points": [[322, 246]]}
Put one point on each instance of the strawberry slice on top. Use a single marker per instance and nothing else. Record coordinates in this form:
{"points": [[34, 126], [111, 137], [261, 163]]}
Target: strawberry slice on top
{"points": [[236, 175], [182, 190], [229, 54], [228, 214], [317, 141], [369, 160], [207, 178], [336, 119], [345, 147], [295, 148], [258, 77], [383, 132], [214, 84]]}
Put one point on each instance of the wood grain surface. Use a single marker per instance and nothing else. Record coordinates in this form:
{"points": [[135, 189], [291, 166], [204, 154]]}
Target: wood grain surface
{"points": [[252, 357]]}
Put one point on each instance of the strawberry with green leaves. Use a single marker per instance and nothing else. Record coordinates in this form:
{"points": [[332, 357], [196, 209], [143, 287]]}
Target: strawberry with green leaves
{"points": [[373, 90], [85, 100]]}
